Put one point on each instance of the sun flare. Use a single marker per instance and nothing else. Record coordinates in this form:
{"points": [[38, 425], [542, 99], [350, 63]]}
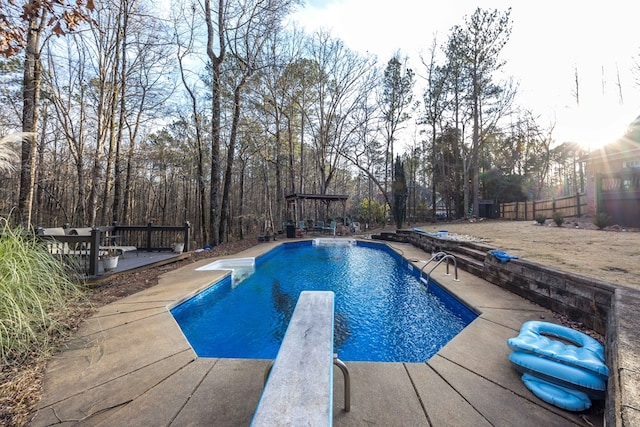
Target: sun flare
{"points": [[593, 127]]}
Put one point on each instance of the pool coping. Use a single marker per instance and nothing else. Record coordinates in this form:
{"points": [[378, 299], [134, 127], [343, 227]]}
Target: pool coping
{"points": [[130, 364]]}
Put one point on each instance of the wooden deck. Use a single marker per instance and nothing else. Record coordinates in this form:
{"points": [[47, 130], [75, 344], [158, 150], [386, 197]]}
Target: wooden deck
{"points": [[132, 261]]}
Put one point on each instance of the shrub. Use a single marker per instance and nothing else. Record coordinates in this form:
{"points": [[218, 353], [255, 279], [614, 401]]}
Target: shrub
{"points": [[36, 293], [602, 220], [558, 218], [541, 219]]}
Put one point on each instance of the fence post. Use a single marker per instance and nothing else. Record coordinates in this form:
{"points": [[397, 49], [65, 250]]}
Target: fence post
{"points": [[94, 252], [187, 227], [578, 203], [149, 229], [599, 198], [533, 216]]}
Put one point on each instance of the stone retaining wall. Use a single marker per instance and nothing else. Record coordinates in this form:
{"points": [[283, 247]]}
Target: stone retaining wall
{"points": [[607, 308]]}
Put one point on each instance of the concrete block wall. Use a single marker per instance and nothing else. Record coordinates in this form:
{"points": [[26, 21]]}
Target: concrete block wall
{"points": [[622, 406], [610, 309], [580, 298]]}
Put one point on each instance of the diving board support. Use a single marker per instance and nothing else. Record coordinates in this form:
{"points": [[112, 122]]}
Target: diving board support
{"points": [[345, 373], [299, 386]]}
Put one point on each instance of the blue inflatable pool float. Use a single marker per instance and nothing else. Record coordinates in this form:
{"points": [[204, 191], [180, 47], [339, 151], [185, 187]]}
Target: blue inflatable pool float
{"points": [[503, 257], [560, 372], [556, 395]]}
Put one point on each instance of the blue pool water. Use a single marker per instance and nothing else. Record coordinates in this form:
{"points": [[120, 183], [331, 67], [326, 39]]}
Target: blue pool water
{"points": [[382, 312]]}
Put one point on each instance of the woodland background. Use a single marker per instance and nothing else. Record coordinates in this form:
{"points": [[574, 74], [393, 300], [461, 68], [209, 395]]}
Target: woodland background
{"points": [[212, 112]]}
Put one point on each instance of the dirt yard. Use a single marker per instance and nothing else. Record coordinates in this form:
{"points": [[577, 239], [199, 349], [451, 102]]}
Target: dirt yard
{"points": [[612, 254]]}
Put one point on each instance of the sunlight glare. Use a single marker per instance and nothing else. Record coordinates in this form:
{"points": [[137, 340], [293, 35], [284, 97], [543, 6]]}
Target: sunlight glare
{"points": [[592, 127]]}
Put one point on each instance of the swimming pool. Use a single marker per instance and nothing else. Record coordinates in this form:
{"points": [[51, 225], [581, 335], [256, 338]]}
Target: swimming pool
{"points": [[382, 311]]}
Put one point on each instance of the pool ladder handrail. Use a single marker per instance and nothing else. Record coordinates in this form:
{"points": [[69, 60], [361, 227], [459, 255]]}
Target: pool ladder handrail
{"points": [[436, 257], [440, 257]]}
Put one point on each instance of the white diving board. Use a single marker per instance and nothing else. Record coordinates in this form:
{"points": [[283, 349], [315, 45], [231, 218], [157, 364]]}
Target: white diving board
{"points": [[299, 389]]}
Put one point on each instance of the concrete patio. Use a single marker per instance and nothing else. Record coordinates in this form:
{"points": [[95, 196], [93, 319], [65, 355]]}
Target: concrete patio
{"points": [[131, 365]]}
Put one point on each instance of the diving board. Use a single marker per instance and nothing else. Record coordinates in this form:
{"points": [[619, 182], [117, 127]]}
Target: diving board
{"points": [[299, 390]]}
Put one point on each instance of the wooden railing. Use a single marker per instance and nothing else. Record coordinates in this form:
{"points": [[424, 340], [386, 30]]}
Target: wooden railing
{"points": [[83, 249]]}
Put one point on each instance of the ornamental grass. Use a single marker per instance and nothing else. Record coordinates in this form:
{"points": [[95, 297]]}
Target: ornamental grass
{"points": [[37, 293]]}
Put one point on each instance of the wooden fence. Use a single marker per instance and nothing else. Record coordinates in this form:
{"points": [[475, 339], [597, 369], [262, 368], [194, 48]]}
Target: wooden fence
{"points": [[570, 206]]}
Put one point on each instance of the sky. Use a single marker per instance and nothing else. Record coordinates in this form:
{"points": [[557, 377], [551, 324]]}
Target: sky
{"points": [[549, 41]]}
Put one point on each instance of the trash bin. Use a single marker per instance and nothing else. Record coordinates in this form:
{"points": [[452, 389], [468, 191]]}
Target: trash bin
{"points": [[291, 231]]}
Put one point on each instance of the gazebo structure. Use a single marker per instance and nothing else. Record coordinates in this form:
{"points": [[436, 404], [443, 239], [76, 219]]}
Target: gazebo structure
{"points": [[296, 199]]}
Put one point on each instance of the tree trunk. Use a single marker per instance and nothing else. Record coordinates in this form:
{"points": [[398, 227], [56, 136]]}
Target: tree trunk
{"points": [[241, 201], [434, 199], [200, 151], [216, 89], [118, 176], [475, 169], [31, 99], [228, 174]]}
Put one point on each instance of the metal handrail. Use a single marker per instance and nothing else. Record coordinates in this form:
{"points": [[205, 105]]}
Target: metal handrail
{"points": [[445, 256], [433, 257]]}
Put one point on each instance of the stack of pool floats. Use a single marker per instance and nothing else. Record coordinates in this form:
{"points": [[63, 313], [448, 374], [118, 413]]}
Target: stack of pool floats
{"points": [[568, 372]]}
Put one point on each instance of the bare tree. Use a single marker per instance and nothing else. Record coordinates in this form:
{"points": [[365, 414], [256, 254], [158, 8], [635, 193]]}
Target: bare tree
{"points": [[15, 36], [251, 24], [185, 48], [478, 45], [395, 101], [216, 20], [67, 92], [435, 104], [342, 82], [576, 88], [619, 85]]}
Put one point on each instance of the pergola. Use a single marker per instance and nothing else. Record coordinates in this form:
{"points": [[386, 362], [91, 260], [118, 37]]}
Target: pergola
{"points": [[297, 198]]}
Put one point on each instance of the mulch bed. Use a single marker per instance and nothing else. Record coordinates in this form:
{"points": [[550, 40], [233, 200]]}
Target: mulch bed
{"points": [[128, 283]]}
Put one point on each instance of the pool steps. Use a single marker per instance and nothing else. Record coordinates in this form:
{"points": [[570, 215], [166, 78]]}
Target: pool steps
{"points": [[241, 268], [328, 241]]}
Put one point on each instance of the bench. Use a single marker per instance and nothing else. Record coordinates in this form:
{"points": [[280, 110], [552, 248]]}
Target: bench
{"points": [[57, 247], [299, 387], [104, 249], [120, 250]]}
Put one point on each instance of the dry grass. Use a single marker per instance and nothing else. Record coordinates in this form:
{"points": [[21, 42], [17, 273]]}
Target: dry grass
{"points": [[578, 246], [20, 391]]}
